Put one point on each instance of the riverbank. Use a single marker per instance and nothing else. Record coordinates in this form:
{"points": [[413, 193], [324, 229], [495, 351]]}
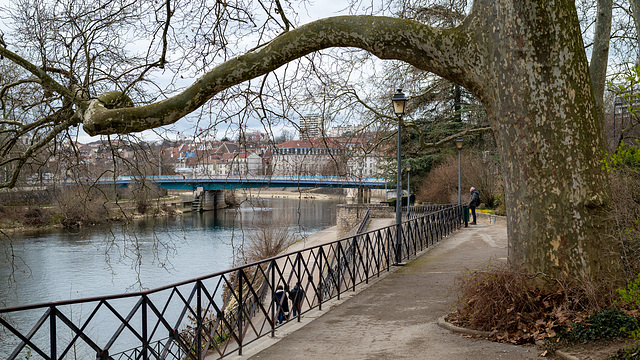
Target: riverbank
{"points": [[26, 219], [38, 218]]}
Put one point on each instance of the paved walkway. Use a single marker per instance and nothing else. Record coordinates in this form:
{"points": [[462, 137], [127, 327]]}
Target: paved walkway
{"points": [[396, 316]]}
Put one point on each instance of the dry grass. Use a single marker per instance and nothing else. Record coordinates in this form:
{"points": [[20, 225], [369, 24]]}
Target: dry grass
{"points": [[520, 308]]}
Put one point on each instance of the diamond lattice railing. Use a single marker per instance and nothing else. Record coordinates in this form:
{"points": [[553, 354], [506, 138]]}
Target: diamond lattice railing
{"points": [[218, 314]]}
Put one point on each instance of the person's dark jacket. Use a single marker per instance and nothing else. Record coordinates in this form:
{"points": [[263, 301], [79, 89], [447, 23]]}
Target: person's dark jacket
{"points": [[474, 200], [282, 300], [296, 295]]}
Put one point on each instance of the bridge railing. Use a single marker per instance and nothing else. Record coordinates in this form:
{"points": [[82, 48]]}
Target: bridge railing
{"points": [[249, 180], [216, 315]]}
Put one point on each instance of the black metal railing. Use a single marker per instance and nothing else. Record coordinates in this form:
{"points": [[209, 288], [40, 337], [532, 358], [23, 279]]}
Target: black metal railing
{"points": [[214, 315]]}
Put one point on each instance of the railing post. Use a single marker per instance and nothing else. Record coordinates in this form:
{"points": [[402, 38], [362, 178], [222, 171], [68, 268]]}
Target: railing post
{"points": [[198, 320], [299, 260], [240, 310], [398, 243], [52, 331], [339, 267], [414, 236], [379, 250], [145, 334], [273, 296], [353, 274], [389, 244], [365, 263], [320, 277]]}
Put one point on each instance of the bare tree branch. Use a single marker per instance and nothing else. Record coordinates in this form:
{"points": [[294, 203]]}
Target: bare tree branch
{"points": [[365, 32]]}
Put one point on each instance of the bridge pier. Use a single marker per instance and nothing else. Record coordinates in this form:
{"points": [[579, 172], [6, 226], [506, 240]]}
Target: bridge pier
{"points": [[363, 195], [206, 200]]}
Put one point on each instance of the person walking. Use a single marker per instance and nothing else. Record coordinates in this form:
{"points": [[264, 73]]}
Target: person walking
{"points": [[296, 295], [282, 304], [474, 200]]}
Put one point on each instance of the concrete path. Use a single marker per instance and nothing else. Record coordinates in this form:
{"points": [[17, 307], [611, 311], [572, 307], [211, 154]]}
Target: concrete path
{"points": [[396, 316]]}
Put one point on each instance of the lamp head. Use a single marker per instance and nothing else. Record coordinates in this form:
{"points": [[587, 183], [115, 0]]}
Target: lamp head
{"points": [[459, 142], [399, 102]]}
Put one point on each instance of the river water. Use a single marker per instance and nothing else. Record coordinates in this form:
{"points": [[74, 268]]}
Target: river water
{"points": [[62, 264]]}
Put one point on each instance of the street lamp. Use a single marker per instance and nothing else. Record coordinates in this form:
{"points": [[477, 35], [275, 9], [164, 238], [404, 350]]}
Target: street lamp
{"points": [[459, 146], [399, 105]]}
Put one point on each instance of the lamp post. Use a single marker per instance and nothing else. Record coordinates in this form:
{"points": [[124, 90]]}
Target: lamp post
{"points": [[459, 146], [408, 192], [408, 185], [399, 105]]}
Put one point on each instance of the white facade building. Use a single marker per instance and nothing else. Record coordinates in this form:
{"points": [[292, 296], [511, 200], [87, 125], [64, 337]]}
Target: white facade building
{"points": [[310, 127]]}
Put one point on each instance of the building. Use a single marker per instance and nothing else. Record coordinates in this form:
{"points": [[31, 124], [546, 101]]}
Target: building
{"points": [[308, 157], [326, 157], [311, 127], [344, 130], [252, 137]]}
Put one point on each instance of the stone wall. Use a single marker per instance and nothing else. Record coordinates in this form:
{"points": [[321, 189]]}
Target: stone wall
{"points": [[349, 216]]}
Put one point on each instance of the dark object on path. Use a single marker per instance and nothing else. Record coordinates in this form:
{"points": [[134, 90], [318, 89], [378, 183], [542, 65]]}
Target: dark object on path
{"points": [[297, 295], [282, 304], [474, 200]]}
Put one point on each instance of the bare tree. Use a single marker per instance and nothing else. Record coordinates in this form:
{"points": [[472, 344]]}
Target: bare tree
{"points": [[523, 60], [270, 238]]}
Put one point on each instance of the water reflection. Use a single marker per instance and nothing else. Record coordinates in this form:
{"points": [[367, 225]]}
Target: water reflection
{"points": [[58, 265]]}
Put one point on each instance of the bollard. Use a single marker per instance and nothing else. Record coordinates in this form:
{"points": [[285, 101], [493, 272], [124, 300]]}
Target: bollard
{"points": [[465, 215]]}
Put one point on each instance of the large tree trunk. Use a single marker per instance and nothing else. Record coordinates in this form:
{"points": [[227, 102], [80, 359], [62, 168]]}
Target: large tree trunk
{"points": [[543, 111], [525, 61]]}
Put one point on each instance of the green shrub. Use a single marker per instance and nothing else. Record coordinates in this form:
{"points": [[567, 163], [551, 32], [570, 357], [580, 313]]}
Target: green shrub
{"points": [[609, 323], [625, 156], [631, 295]]}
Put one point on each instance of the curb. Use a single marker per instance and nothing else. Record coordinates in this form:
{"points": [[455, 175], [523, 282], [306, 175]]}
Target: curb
{"points": [[448, 326], [561, 354], [565, 356], [456, 329]]}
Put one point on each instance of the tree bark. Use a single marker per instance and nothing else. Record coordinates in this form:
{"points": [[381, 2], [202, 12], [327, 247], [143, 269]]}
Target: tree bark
{"points": [[524, 60], [543, 111], [635, 10], [600, 52], [600, 58]]}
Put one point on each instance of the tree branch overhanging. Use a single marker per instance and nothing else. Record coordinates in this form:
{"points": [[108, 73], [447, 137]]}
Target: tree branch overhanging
{"points": [[409, 41], [44, 78]]}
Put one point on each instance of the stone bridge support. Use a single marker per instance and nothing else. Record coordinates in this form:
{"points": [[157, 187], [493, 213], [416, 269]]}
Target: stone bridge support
{"points": [[360, 195], [205, 200]]}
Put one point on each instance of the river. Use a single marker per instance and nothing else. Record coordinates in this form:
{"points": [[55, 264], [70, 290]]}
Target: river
{"points": [[59, 265]]}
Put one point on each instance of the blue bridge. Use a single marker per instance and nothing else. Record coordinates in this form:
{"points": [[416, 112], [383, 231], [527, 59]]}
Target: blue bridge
{"points": [[221, 182], [209, 189]]}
